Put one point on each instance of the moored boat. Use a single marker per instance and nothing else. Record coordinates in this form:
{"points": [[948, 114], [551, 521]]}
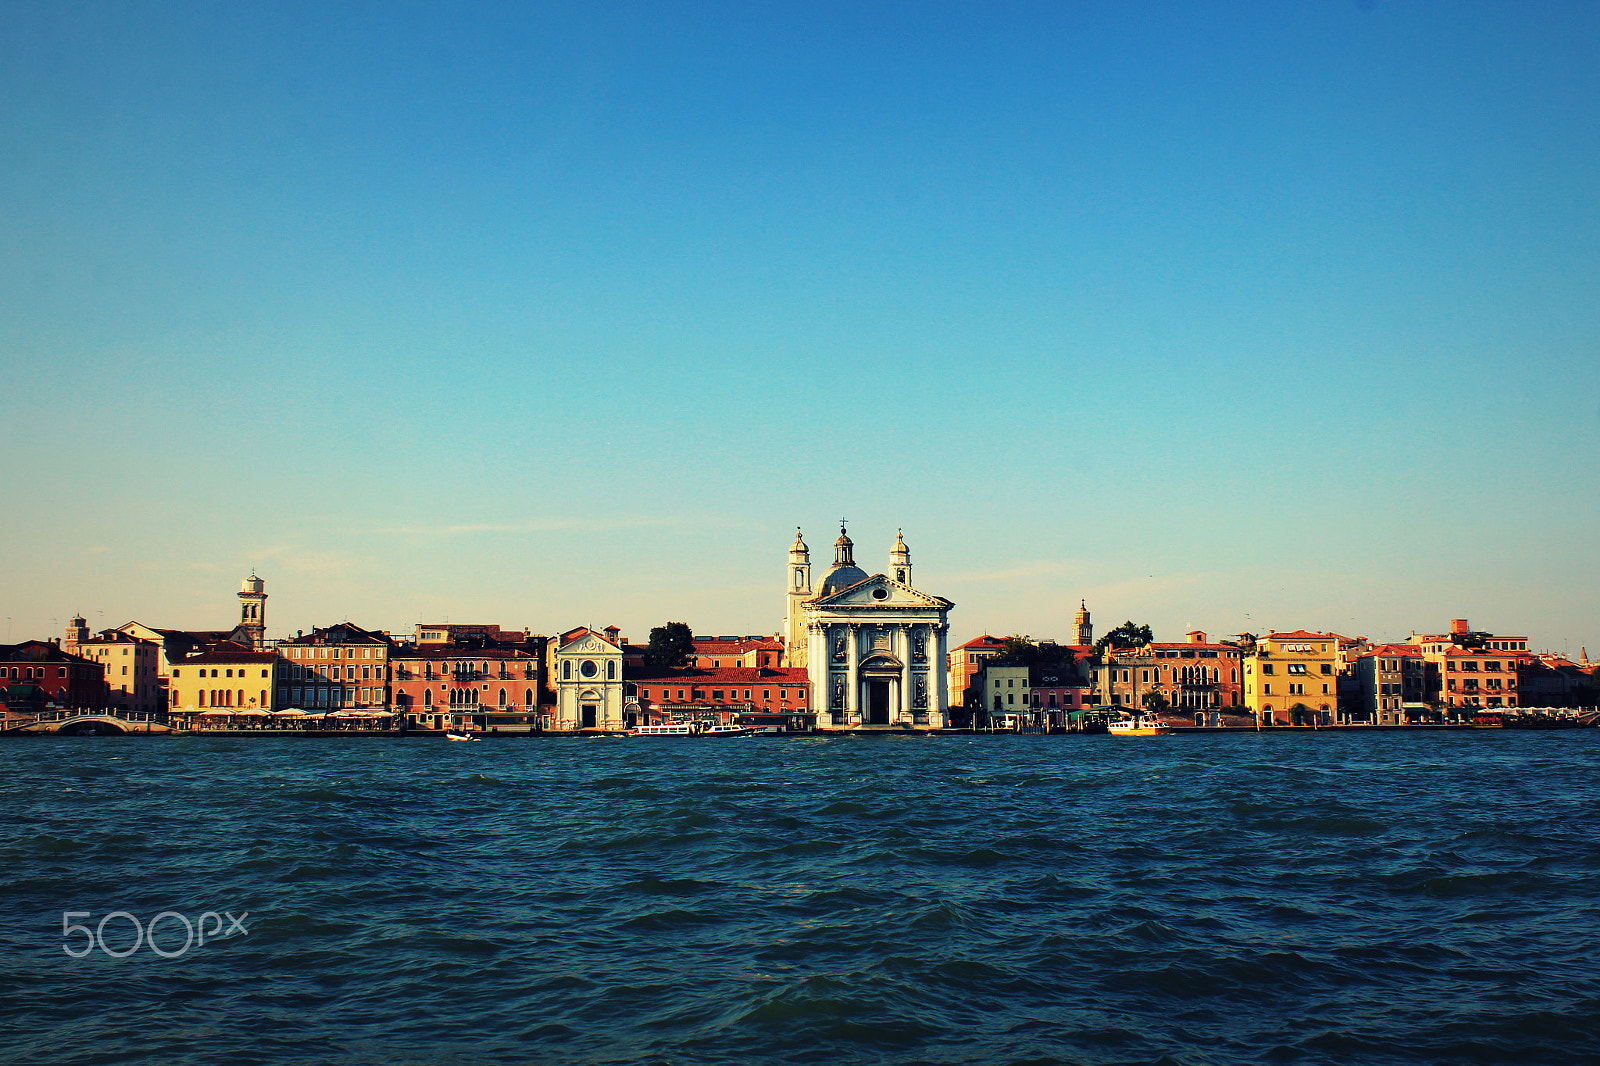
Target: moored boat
{"points": [[671, 729], [1138, 725], [726, 730]]}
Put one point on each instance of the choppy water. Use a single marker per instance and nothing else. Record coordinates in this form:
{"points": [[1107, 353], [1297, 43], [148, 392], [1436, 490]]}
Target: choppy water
{"points": [[1394, 898]]}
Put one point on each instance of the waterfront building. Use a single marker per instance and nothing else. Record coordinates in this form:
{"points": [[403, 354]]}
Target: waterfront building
{"points": [[1555, 681], [40, 674], [1192, 675], [228, 677], [965, 665], [723, 694], [1468, 668], [1391, 682], [875, 644], [132, 666], [1291, 678], [587, 679], [1006, 693], [340, 667], [450, 686]]}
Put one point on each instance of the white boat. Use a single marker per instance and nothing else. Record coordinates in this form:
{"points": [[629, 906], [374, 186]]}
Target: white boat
{"points": [[460, 736], [726, 731], [675, 729], [1138, 725]]}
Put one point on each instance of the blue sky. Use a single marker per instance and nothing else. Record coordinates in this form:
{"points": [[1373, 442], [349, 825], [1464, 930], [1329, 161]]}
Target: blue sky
{"points": [[1230, 315]]}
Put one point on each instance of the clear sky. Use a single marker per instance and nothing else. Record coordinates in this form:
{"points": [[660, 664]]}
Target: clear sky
{"points": [[1236, 314]]}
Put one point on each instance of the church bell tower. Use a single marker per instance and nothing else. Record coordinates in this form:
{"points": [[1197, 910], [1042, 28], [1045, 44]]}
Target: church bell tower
{"points": [[253, 610], [794, 633], [900, 559]]}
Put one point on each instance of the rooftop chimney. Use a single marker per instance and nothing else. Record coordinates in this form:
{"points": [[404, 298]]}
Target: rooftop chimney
{"points": [[1458, 626]]}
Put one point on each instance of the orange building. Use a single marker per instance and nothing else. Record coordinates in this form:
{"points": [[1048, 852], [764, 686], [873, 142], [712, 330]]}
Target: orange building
{"points": [[340, 667], [965, 667], [444, 686], [1194, 675]]}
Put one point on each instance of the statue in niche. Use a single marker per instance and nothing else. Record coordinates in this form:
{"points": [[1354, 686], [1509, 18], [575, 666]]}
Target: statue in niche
{"points": [[838, 693], [838, 647], [919, 696], [919, 649]]}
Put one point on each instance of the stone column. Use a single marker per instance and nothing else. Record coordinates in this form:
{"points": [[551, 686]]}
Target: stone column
{"points": [[902, 635], [817, 668], [852, 685]]}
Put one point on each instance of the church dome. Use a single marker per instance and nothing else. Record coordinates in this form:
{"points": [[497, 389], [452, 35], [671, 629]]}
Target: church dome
{"points": [[844, 572], [841, 577]]}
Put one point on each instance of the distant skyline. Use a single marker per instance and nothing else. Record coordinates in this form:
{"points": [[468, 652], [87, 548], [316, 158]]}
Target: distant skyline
{"points": [[1226, 316]]}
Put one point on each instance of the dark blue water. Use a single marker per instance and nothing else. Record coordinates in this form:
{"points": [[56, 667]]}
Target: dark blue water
{"points": [[1329, 898]]}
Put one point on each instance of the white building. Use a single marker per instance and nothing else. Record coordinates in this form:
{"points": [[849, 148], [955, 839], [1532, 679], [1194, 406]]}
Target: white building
{"points": [[873, 646], [588, 682]]}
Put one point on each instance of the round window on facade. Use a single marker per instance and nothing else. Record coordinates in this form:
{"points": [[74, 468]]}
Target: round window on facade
{"points": [[880, 594], [588, 669]]}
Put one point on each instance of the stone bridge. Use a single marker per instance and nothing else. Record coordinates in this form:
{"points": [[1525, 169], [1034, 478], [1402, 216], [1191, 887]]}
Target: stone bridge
{"points": [[92, 723]]}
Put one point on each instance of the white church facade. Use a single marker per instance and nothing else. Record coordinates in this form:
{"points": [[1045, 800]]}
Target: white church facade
{"points": [[873, 645]]}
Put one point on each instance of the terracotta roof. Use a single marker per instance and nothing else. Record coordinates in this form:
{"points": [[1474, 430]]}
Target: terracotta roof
{"points": [[452, 651], [225, 656], [1392, 649], [1301, 634], [985, 641]]}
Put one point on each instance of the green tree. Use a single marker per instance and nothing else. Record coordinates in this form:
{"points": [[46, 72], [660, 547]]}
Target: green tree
{"points": [[1127, 635], [671, 647], [1156, 703]]}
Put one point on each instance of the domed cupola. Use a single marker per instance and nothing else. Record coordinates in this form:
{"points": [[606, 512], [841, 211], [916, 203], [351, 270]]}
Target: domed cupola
{"points": [[844, 572]]}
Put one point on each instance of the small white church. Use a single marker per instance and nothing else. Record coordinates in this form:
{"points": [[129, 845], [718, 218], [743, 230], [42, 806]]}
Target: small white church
{"points": [[873, 646]]}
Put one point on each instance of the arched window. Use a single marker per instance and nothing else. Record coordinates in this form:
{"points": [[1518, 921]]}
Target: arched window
{"points": [[611, 669], [201, 698], [527, 697], [502, 697], [427, 697], [566, 670]]}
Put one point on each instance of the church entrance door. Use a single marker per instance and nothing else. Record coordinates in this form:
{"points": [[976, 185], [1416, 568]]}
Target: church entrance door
{"points": [[588, 715], [877, 703]]}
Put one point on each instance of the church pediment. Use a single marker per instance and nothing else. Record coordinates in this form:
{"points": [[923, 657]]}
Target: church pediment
{"points": [[588, 644], [882, 591]]}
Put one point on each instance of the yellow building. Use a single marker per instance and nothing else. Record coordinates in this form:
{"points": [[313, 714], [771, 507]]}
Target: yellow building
{"points": [[228, 677], [1293, 678]]}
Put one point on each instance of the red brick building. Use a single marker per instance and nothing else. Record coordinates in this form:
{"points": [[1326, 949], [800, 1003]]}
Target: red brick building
{"points": [[716, 695], [451, 687], [37, 674]]}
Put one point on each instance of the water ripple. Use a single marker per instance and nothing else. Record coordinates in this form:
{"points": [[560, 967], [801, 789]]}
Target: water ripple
{"points": [[1330, 899]]}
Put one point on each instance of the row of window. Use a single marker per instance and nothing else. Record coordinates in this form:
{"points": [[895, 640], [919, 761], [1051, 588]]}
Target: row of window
{"points": [[1294, 689], [718, 694], [227, 672], [29, 675], [298, 672], [1296, 668], [333, 653], [1179, 675]]}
